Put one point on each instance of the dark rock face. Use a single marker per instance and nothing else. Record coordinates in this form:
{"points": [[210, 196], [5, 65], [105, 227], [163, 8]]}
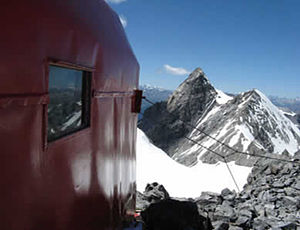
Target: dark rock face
{"points": [[193, 97]]}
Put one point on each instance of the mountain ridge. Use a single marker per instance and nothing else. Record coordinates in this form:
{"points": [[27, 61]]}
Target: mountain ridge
{"points": [[248, 122]]}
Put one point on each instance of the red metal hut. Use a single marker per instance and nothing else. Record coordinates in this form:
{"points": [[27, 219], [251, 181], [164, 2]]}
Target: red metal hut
{"points": [[67, 129]]}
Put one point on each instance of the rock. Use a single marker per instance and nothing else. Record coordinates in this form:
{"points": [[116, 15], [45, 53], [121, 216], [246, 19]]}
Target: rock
{"points": [[141, 201], [289, 181], [280, 191], [270, 210], [275, 168], [285, 226], [175, 215], [243, 222], [210, 208], [290, 191], [285, 153], [245, 212], [208, 198], [245, 196], [224, 212], [297, 155], [267, 196], [221, 225], [225, 192], [297, 185], [286, 169], [274, 222], [228, 203], [155, 192], [249, 205], [291, 202], [278, 184], [260, 224], [228, 195], [235, 228]]}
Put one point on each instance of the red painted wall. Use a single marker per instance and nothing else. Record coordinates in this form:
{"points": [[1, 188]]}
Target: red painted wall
{"points": [[85, 180]]}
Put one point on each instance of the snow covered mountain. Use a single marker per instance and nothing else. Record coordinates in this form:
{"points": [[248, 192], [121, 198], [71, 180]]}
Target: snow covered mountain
{"points": [[155, 93], [247, 122], [290, 106]]}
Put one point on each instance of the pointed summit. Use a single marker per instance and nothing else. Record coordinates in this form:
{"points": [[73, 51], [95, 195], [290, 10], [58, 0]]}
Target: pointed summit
{"points": [[192, 96], [199, 73], [188, 102], [196, 74], [198, 69]]}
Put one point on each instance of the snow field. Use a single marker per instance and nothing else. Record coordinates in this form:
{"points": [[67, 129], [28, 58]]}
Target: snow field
{"points": [[222, 98], [154, 165]]}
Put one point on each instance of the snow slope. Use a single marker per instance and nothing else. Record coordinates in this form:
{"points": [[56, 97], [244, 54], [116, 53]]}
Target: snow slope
{"points": [[154, 165], [248, 123], [222, 98]]}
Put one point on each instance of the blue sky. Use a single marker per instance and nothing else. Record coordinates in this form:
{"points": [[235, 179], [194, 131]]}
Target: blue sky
{"points": [[240, 44]]}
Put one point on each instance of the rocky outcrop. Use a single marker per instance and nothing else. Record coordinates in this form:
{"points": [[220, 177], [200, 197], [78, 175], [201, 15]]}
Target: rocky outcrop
{"points": [[269, 200], [153, 193], [160, 212]]}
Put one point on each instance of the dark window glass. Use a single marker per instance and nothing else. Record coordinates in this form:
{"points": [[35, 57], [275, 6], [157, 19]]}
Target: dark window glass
{"points": [[69, 106]]}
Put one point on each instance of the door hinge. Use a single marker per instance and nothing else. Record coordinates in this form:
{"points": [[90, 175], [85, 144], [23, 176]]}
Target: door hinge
{"points": [[136, 101]]}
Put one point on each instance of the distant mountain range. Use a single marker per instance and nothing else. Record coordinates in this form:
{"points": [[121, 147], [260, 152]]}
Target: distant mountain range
{"points": [[248, 122], [292, 104], [156, 94]]}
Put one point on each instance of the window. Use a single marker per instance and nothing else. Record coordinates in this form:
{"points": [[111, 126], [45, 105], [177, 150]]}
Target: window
{"points": [[69, 107]]}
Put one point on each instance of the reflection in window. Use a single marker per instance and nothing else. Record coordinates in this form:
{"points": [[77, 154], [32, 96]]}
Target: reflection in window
{"points": [[68, 110]]}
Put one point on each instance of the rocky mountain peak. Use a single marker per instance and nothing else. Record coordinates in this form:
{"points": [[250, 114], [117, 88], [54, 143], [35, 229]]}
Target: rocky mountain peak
{"points": [[197, 73], [192, 96], [187, 103], [247, 122]]}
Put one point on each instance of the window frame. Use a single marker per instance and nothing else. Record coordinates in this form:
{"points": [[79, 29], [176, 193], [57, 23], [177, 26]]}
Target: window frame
{"points": [[86, 99]]}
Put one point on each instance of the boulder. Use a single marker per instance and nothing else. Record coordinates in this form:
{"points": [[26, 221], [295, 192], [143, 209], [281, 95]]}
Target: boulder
{"points": [[224, 212], [228, 195], [155, 192], [175, 215]]}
